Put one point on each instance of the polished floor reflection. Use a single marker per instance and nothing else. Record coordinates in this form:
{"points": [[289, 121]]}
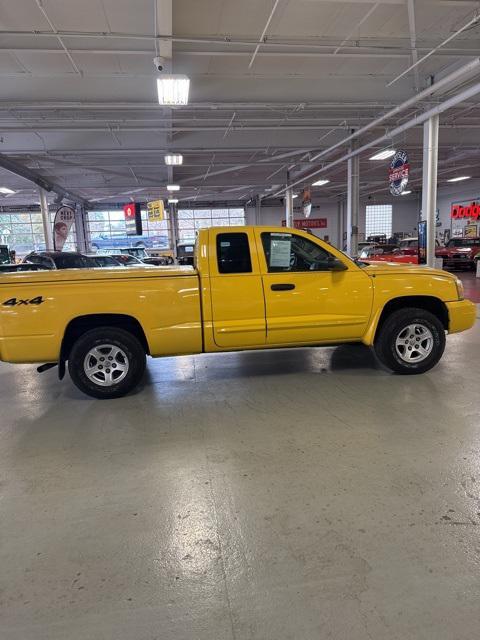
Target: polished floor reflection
{"points": [[296, 494]]}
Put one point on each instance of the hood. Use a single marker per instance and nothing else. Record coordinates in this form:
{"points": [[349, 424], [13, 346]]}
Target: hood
{"points": [[447, 250], [394, 268]]}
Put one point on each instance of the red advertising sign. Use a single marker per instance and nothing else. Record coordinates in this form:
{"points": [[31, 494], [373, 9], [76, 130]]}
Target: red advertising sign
{"points": [[459, 212], [311, 223], [133, 219]]}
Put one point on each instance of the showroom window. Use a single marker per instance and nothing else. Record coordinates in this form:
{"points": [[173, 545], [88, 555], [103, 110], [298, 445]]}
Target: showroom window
{"points": [[233, 253], [191, 220], [107, 231], [378, 220], [23, 232]]}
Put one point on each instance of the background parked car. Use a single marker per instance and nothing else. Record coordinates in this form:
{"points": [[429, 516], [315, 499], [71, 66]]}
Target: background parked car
{"points": [[60, 260], [459, 253], [127, 260], [117, 242], [377, 250], [4, 254], [101, 260], [22, 266]]}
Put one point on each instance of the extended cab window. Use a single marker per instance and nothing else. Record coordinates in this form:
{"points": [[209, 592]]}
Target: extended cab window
{"points": [[289, 252], [233, 253]]}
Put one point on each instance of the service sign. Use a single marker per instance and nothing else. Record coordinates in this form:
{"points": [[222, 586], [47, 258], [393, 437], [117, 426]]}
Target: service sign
{"points": [[133, 219], [398, 173], [62, 224]]}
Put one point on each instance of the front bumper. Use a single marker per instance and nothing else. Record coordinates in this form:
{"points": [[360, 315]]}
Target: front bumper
{"points": [[461, 315]]}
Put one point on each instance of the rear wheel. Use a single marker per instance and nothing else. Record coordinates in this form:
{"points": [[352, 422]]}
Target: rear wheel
{"points": [[107, 362], [410, 341]]}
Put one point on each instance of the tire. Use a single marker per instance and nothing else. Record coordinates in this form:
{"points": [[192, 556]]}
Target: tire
{"points": [[411, 351], [128, 362]]}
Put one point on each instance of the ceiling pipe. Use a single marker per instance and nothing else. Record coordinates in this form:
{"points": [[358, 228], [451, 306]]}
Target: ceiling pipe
{"points": [[262, 37], [472, 67], [471, 22], [416, 120]]}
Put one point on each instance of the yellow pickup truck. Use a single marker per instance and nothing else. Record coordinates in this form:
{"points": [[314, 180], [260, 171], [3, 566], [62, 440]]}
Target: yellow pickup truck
{"points": [[251, 288]]}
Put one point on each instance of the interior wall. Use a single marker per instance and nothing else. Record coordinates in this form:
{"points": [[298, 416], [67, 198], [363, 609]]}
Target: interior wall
{"points": [[462, 192], [404, 216]]}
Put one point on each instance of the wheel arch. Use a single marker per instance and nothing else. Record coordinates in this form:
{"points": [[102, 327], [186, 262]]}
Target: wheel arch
{"points": [[79, 325], [429, 303]]}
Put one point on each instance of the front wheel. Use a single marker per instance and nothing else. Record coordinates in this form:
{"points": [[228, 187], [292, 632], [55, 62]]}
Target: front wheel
{"points": [[410, 341], [107, 362]]}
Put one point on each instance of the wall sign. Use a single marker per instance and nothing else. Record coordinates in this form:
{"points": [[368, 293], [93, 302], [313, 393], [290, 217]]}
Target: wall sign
{"points": [[459, 212], [62, 224], [398, 173], [133, 219], [310, 223]]}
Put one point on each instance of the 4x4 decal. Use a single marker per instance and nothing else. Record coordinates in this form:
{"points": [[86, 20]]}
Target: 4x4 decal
{"points": [[16, 302]]}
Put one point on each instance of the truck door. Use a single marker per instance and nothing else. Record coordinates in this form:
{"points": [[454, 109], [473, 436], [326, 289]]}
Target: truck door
{"points": [[238, 305], [311, 295]]}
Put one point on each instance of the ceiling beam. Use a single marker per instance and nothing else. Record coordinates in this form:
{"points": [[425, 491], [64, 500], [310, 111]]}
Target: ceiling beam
{"points": [[29, 174]]}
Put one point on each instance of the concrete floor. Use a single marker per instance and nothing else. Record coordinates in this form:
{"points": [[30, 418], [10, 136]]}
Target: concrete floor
{"points": [[301, 494]]}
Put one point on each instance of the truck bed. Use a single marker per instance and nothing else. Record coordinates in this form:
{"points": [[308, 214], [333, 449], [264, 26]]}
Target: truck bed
{"points": [[37, 308]]}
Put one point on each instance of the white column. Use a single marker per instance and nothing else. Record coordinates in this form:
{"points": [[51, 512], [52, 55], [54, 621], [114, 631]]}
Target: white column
{"points": [[47, 225], [289, 208], [429, 186], [353, 201]]}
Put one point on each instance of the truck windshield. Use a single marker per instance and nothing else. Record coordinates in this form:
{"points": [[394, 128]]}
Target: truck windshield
{"points": [[464, 242]]}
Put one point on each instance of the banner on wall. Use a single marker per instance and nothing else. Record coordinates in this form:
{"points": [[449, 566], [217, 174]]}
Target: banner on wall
{"points": [[311, 223], [133, 219], [62, 224]]}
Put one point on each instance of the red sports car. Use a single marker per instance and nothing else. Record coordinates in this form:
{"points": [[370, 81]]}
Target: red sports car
{"points": [[459, 253]]}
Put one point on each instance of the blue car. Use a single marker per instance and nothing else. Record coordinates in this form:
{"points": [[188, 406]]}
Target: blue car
{"points": [[114, 242]]}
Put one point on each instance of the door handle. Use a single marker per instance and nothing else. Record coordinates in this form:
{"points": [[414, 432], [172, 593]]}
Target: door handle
{"points": [[282, 287]]}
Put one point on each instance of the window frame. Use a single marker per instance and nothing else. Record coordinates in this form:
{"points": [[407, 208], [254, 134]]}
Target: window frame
{"points": [[218, 237]]}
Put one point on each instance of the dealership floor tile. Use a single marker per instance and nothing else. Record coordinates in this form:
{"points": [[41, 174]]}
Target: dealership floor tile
{"points": [[296, 494]]}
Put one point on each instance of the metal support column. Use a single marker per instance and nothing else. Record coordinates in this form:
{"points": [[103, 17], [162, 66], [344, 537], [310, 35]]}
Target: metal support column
{"points": [[258, 205], [340, 224], [173, 229], [429, 185], [47, 225], [81, 230], [353, 201]]}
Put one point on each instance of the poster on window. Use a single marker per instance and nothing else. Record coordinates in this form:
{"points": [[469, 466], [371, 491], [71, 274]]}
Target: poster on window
{"points": [[280, 250], [62, 225]]}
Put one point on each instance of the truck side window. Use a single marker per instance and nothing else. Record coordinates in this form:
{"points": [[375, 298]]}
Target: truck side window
{"points": [[289, 252], [233, 253]]}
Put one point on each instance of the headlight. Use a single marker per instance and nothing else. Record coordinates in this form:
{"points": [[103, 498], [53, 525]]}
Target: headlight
{"points": [[460, 289]]}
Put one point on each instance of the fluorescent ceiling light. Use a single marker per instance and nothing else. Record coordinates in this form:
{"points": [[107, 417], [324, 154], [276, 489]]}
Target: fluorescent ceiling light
{"points": [[295, 195], [174, 159], [383, 155], [172, 200], [173, 187], [405, 193], [321, 182], [173, 89], [459, 178], [6, 191]]}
